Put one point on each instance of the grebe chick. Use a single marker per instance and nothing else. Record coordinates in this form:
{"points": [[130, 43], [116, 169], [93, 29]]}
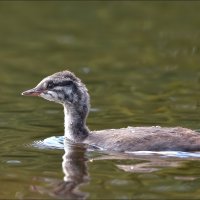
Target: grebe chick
{"points": [[65, 88]]}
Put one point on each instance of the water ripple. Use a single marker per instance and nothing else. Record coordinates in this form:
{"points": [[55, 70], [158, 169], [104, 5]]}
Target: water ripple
{"points": [[178, 154]]}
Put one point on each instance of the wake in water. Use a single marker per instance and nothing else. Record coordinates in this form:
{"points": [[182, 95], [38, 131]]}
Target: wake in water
{"points": [[54, 142]]}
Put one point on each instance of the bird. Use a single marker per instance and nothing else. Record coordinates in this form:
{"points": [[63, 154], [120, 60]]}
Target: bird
{"points": [[67, 89]]}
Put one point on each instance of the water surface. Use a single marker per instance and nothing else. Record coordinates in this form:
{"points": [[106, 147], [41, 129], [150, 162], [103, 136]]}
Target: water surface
{"points": [[140, 62]]}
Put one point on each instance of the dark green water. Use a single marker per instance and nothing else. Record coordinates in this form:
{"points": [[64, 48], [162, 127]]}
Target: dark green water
{"points": [[141, 63]]}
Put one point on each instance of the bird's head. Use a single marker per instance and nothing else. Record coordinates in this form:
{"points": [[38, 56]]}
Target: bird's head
{"points": [[64, 88]]}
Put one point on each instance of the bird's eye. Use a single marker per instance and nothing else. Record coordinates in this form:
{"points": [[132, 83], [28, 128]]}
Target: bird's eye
{"points": [[50, 85]]}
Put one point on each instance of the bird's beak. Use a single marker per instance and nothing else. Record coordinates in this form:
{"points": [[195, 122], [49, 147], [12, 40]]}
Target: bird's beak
{"points": [[32, 92]]}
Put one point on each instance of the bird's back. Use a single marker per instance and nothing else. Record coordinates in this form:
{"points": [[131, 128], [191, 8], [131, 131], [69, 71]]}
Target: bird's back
{"points": [[153, 138]]}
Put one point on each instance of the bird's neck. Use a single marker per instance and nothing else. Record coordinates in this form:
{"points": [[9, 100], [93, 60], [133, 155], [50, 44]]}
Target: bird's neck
{"points": [[75, 125]]}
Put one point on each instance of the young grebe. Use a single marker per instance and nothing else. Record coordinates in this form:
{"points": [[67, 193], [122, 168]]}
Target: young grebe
{"points": [[65, 88]]}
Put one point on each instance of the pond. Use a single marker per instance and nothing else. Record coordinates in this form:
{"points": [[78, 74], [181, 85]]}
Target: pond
{"points": [[140, 62]]}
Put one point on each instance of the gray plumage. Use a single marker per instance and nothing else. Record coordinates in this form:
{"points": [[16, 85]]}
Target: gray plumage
{"points": [[65, 88]]}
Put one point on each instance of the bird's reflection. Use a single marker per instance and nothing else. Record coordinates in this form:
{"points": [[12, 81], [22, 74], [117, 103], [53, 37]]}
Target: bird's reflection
{"points": [[75, 171]]}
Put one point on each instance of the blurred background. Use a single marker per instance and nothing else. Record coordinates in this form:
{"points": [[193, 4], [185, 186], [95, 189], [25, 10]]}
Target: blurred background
{"points": [[139, 60]]}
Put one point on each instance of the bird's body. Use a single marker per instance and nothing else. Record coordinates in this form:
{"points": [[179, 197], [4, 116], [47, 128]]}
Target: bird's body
{"points": [[65, 88], [153, 138]]}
